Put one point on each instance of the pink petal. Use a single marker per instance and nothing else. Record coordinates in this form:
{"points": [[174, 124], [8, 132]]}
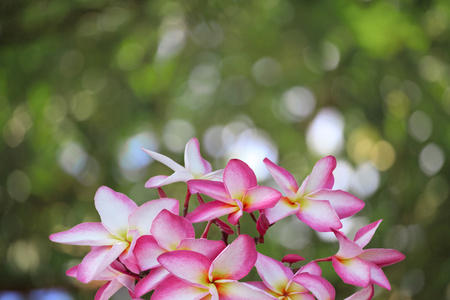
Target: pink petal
{"points": [[238, 290], [292, 258], [224, 227], [210, 210], [343, 203], [180, 228], [262, 224], [382, 257], [173, 288], [164, 160], [238, 178], [72, 272], [281, 210], [151, 281], [208, 248], [233, 218], [214, 176], [283, 178], [311, 268], [364, 294], [127, 257], [365, 234], [260, 197], [147, 251], [98, 260], [193, 159], [321, 288], [347, 248], [302, 296], [214, 189], [187, 265], [377, 276], [236, 260], [88, 234], [142, 218], [114, 209], [273, 273], [353, 271], [107, 290], [321, 176], [319, 215], [162, 180]]}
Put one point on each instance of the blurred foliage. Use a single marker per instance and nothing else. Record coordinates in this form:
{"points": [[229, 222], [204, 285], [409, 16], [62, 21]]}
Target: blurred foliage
{"points": [[83, 84]]}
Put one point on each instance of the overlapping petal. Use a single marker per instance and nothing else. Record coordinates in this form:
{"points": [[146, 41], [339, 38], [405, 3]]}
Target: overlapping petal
{"points": [[194, 161], [114, 209], [321, 288], [151, 281], [180, 228], [238, 178], [211, 210], [347, 248], [353, 271], [319, 215], [345, 204], [365, 234], [282, 209], [321, 176], [208, 248], [283, 178], [237, 290], [147, 251], [236, 260], [273, 273], [173, 288], [162, 180], [382, 257], [364, 294], [88, 234], [214, 189], [260, 197]]}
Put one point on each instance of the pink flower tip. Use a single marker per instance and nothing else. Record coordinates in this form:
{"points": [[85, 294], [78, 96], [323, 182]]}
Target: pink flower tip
{"points": [[292, 258]]}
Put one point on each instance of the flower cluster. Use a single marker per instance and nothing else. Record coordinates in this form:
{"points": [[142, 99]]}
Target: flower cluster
{"points": [[152, 248]]}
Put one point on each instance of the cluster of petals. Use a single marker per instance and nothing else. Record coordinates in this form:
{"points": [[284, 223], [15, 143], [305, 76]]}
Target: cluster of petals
{"points": [[122, 222], [314, 202], [237, 193], [151, 248], [361, 267]]}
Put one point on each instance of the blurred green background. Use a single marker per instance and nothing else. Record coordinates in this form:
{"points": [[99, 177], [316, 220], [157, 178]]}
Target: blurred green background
{"points": [[85, 84]]}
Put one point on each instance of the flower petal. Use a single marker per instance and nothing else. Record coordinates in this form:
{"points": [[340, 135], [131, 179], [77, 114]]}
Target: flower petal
{"points": [[260, 197], [382, 257], [273, 273], [151, 281], [377, 276], [214, 189], [237, 290], [282, 209], [238, 178], [319, 215], [236, 260], [180, 228], [208, 248], [173, 288], [321, 288], [283, 178], [321, 176], [107, 290], [88, 234], [343, 203], [164, 160], [142, 218], [311, 268], [98, 260], [353, 271], [365, 234], [114, 209], [364, 294], [147, 251], [211, 210], [162, 180], [193, 159], [347, 248], [187, 265]]}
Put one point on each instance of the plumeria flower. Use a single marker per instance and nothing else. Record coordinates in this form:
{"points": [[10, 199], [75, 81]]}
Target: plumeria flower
{"points": [[281, 283], [363, 267], [122, 222], [195, 167], [181, 236], [237, 193], [116, 276], [314, 202], [195, 276]]}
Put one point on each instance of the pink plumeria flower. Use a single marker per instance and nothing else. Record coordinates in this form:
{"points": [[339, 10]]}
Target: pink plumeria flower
{"points": [[195, 276], [237, 193], [116, 276], [314, 202], [281, 283], [364, 294], [122, 222], [195, 167], [363, 267], [181, 236]]}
